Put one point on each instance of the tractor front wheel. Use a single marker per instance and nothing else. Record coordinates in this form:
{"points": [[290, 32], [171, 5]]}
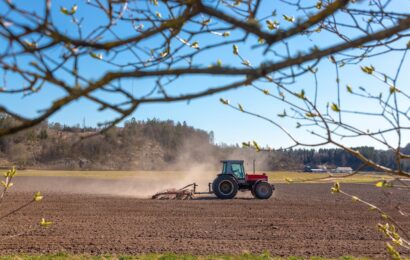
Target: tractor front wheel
{"points": [[262, 190], [225, 187]]}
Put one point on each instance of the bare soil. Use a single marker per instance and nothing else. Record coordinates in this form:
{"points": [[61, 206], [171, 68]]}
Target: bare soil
{"points": [[301, 219]]}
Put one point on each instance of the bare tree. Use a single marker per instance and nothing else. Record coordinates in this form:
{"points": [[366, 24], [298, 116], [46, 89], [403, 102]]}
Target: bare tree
{"points": [[165, 43]]}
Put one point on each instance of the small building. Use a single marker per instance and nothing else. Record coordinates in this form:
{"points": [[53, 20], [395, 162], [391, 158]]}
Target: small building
{"points": [[343, 170], [316, 169]]}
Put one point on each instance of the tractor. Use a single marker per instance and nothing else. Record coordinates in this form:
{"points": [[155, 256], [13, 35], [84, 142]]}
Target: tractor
{"points": [[233, 178], [226, 184]]}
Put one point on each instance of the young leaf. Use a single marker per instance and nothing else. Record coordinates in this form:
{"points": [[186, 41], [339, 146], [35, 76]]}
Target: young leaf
{"points": [[226, 34], [45, 223], [240, 107], [258, 149], [69, 12], [301, 95], [246, 63], [310, 114], [349, 89], [290, 19], [195, 45], [219, 63], [244, 144], [368, 69], [235, 49], [335, 107], [393, 89], [272, 25], [96, 56], [381, 184], [224, 101], [335, 188], [37, 196]]}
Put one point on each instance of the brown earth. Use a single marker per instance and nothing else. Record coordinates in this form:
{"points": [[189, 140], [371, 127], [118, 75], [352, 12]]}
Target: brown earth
{"points": [[301, 219]]}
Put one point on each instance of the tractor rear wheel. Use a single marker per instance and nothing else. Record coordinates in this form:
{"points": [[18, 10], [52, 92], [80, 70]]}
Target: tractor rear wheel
{"points": [[262, 190], [225, 187]]}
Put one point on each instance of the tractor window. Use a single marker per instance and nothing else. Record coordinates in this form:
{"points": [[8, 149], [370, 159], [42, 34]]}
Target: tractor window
{"points": [[237, 170]]}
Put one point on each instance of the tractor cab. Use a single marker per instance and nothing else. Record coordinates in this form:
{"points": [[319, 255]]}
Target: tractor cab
{"points": [[234, 167]]}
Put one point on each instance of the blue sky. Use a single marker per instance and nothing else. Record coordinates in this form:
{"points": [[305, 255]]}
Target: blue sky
{"points": [[208, 113]]}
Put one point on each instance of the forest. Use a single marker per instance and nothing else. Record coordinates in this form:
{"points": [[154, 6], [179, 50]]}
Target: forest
{"points": [[157, 145]]}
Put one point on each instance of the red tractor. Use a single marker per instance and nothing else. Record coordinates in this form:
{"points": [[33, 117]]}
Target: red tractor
{"points": [[233, 178], [226, 184]]}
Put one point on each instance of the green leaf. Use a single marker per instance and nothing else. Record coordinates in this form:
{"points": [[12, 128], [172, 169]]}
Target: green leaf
{"points": [[256, 145], [335, 107], [246, 63], [380, 184], [349, 89], [265, 91], [319, 4], [219, 63], [72, 11], [301, 95], [368, 69], [393, 89], [272, 25], [290, 19], [96, 56], [226, 34], [224, 101], [164, 53], [37, 196], [235, 49], [310, 114], [45, 223], [240, 108], [244, 144], [195, 45], [393, 252], [335, 188]]}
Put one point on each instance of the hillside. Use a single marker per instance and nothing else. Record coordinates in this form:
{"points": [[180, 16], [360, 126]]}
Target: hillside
{"points": [[153, 145]]}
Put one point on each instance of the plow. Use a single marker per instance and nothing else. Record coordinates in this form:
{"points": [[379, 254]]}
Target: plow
{"points": [[185, 193], [226, 184]]}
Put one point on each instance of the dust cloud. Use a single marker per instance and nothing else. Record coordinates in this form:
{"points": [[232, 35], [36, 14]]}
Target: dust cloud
{"points": [[194, 164]]}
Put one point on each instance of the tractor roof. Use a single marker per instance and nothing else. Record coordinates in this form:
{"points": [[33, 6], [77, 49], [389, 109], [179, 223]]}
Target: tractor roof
{"points": [[232, 161]]}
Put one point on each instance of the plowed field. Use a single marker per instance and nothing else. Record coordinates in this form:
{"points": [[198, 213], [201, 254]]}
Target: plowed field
{"points": [[301, 219]]}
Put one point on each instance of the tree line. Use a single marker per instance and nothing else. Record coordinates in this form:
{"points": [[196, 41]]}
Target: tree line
{"points": [[156, 145]]}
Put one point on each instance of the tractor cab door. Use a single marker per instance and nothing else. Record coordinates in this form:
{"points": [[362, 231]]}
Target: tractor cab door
{"points": [[238, 171]]}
